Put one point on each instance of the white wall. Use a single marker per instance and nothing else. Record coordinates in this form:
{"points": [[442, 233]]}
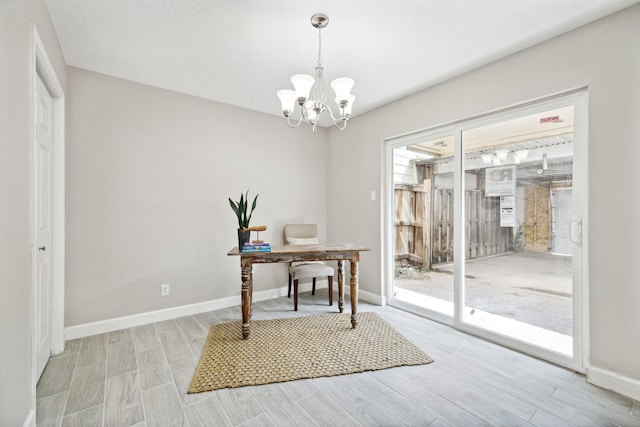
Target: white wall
{"points": [[17, 397], [603, 56], [149, 173]]}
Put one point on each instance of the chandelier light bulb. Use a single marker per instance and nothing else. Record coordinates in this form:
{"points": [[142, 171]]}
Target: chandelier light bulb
{"points": [[310, 111], [346, 105]]}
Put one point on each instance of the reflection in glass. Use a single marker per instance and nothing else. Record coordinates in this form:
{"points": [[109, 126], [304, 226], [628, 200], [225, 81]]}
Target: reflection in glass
{"points": [[423, 226], [518, 202]]}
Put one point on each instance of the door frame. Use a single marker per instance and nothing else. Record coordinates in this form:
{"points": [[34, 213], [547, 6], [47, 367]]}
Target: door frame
{"points": [[579, 99], [42, 66], [388, 216]]}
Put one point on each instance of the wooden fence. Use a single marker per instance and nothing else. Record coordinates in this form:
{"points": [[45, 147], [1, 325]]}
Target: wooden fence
{"points": [[418, 205]]}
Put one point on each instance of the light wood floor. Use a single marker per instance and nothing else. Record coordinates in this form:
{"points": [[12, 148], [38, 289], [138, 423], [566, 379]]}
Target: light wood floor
{"points": [[139, 377]]}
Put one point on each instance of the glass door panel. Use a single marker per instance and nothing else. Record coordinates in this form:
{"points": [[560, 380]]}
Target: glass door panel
{"points": [[483, 226], [518, 180], [423, 225]]}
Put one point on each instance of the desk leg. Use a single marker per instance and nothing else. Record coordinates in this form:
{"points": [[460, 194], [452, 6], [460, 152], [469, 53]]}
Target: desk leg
{"points": [[354, 290], [341, 285], [247, 287], [251, 293]]}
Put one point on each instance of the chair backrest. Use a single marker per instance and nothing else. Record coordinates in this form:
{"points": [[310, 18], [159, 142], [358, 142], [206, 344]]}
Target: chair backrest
{"points": [[300, 231]]}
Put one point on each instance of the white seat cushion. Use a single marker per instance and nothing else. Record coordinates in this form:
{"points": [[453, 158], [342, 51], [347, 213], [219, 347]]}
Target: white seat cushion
{"points": [[310, 270]]}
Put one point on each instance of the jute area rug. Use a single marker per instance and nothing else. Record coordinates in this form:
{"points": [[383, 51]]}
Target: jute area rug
{"points": [[303, 347]]}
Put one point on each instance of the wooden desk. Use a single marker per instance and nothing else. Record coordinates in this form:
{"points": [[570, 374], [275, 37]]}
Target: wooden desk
{"points": [[290, 253]]}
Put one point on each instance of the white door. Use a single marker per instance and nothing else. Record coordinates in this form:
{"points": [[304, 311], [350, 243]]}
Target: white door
{"points": [[43, 156]]}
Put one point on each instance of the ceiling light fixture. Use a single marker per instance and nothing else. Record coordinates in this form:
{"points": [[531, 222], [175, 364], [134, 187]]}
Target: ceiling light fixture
{"points": [[310, 94], [502, 154]]}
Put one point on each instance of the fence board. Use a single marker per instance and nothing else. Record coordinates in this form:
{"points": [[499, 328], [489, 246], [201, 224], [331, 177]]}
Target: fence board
{"points": [[426, 234]]}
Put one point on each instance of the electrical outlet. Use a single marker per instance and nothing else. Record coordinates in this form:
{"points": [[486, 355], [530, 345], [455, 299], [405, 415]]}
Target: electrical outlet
{"points": [[164, 290]]}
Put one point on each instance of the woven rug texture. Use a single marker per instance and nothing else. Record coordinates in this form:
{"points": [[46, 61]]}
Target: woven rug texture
{"points": [[302, 347]]}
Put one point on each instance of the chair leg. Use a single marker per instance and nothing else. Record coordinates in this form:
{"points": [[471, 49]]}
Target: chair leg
{"points": [[289, 293], [330, 279], [313, 288], [295, 294]]}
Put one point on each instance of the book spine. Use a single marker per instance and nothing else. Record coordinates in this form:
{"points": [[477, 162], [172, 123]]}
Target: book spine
{"points": [[263, 249]]}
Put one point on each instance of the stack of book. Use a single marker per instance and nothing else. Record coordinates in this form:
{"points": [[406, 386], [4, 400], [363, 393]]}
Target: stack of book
{"points": [[256, 247]]}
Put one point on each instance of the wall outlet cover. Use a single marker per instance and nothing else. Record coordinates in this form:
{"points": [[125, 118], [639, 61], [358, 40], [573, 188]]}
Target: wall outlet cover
{"points": [[164, 290]]}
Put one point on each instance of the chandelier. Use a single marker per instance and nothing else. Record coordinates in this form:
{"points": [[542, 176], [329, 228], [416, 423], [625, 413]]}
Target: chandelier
{"points": [[310, 93]]}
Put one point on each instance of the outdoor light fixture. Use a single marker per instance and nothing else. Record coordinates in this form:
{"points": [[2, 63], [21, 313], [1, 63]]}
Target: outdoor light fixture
{"points": [[310, 93], [520, 156]]}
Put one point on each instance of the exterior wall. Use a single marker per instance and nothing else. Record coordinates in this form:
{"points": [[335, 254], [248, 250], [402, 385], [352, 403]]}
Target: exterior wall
{"points": [[601, 56], [404, 167], [17, 393], [149, 173]]}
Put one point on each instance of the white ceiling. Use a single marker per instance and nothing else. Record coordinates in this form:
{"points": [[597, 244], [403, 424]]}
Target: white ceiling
{"points": [[241, 52]]}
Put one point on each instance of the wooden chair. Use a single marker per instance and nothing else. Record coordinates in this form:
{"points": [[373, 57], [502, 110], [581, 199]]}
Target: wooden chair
{"points": [[306, 234]]}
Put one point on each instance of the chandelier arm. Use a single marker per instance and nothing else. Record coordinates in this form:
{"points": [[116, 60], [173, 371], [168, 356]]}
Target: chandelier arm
{"points": [[294, 124], [304, 116], [344, 124], [338, 120]]}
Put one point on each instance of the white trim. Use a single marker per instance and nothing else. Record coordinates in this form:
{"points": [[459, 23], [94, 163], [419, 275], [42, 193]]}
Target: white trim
{"points": [[370, 297], [42, 66], [581, 327], [102, 326], [386, 215], [30, 421], [615, 382], [459, 246]]}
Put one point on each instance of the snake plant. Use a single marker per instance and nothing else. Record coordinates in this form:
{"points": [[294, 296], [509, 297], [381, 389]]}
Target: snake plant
{"points": [[240, 208]]}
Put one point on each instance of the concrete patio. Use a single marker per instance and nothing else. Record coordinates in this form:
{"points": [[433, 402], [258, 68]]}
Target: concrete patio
{"points": [[528, 287]]}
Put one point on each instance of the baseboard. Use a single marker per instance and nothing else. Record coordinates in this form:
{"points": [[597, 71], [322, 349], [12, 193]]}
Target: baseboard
{"points": [[93, 328], [30, 421], [372, 298], [100, 327], [615, 382]]}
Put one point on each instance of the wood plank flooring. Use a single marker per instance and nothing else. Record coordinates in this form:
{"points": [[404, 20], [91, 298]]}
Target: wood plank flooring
{"points": [[139, 377]]}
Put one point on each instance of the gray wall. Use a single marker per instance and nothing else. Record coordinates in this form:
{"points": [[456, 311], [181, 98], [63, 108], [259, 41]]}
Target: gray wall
{"points": [[17, 396], [604, 57], [149, 172]]}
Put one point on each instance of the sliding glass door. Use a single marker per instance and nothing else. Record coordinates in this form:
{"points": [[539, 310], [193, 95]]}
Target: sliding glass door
{"points": [[518, 254], [423, 225], [484, 226]]}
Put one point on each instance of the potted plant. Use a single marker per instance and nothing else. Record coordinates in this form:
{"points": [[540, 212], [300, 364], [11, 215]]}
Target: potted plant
{"points": [[240, 209]]}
